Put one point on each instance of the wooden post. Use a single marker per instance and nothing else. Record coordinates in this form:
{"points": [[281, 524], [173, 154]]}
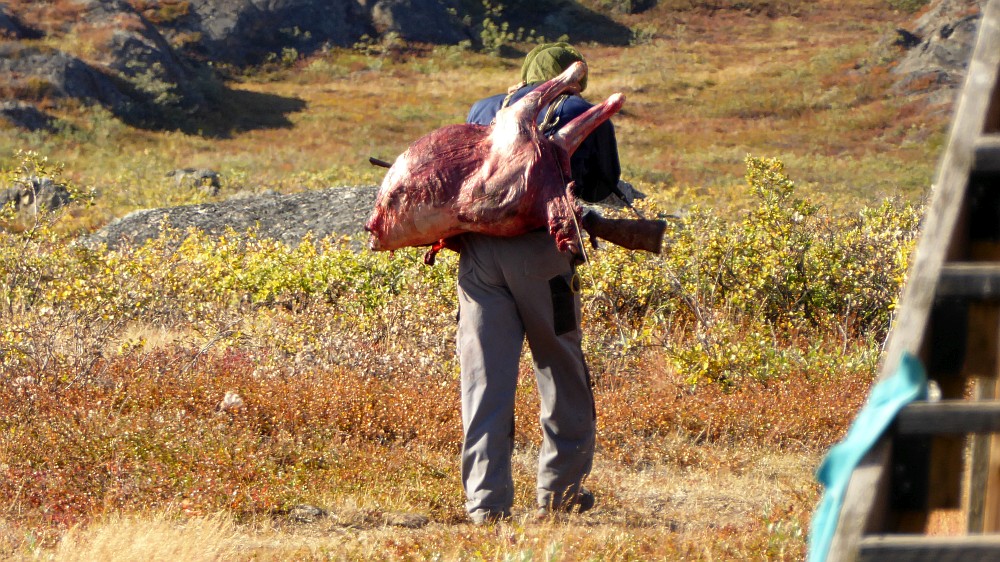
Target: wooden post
{"points": [[982, 367]]}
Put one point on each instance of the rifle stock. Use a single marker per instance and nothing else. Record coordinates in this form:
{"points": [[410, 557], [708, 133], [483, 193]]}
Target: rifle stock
{"points": [[633, 234]]}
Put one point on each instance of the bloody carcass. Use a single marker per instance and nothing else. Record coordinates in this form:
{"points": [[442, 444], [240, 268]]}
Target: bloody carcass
{"points": [[503, 179]]}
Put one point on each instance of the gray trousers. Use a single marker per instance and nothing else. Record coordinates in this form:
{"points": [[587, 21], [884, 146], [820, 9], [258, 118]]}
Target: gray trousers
{"points": [[509, 289]]}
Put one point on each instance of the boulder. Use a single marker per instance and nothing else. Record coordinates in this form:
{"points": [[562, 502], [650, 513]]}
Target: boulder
{"points": [[242, 32], [36, 72], [249, 31], [134, 50], [35, 193], [421, 21], [287, 218], [26, 116], [938, 48], [11, 27]]}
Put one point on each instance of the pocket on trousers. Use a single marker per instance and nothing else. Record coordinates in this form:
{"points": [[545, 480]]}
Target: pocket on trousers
{"points": [[563, 305]]}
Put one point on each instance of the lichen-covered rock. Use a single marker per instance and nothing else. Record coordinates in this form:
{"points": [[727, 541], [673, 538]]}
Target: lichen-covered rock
{"points": [[26, 116], [422, 21], [36, 72], [36, 194], [938, 48], [287, 218], [11, 27]]}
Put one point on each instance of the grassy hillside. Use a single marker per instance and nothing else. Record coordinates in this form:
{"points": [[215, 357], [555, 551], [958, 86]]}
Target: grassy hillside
{"points": [[724, 368], [704, 89]]}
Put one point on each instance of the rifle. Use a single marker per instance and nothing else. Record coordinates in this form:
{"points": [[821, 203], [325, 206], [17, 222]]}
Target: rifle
{"points": [[632, 234]]}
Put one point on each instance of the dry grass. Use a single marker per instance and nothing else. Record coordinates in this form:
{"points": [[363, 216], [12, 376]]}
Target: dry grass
{"points": [[705, 512], [153, 538], [139, 463]]}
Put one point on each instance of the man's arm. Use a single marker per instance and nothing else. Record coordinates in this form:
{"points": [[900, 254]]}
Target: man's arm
{"points": [[483, 111]]}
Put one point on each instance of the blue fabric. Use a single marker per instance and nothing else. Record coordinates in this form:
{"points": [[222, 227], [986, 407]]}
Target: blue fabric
{"points": [[907, 383], [483, 111]]}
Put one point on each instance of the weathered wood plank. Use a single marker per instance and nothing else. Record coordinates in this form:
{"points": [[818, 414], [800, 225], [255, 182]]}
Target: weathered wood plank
{"points": [[939, 243], [970, 280], [983, 510], [949, 417], [981, 513], [919, 548], [987, 153], [979, 466], [867, 497], [987, 485]]}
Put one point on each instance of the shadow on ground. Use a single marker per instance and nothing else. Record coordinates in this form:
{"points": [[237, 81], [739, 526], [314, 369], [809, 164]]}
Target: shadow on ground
{"points": [[234, 111]]}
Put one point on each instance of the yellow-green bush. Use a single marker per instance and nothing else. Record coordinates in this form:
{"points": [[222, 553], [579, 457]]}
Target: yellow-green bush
{"points": [[740, 299], [729, 300]]}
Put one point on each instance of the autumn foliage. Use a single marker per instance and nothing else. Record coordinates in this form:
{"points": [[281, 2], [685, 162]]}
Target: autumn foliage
{"points": [[240, 374]]}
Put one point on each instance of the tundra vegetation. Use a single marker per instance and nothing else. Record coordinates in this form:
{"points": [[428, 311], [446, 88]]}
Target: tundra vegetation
{"points": [[183, 399]]}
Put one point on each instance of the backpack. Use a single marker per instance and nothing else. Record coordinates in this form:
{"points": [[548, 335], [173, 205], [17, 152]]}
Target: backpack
{"points": [[548, 125]]}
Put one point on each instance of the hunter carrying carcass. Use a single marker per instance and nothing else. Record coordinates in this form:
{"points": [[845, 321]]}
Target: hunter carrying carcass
{"points": [[502, 190]]}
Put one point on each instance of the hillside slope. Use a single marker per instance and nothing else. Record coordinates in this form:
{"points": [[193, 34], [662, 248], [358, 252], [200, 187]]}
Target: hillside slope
{"points": [[156, 63]]}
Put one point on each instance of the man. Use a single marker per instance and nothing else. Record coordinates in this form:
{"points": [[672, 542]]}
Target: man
{"points": [[510, 288]]}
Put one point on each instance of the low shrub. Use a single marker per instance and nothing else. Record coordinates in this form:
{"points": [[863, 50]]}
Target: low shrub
{"points": [[736, 300]]}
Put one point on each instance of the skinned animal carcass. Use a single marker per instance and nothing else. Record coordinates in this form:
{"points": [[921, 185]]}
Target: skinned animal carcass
{"points": [[504, 179]]}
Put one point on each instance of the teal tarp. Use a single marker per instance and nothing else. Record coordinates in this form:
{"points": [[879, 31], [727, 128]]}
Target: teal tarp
{"points": [[907, 383]]}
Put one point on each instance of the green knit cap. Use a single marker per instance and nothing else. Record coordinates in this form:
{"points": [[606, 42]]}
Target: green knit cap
{"points": [[547, 61]]}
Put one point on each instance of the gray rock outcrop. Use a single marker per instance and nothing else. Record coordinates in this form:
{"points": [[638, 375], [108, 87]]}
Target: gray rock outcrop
{"points": [[938, 48], [421, 21], [287, 218], [26, 116], [35, 194], [162, 64], [246, 31]]}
